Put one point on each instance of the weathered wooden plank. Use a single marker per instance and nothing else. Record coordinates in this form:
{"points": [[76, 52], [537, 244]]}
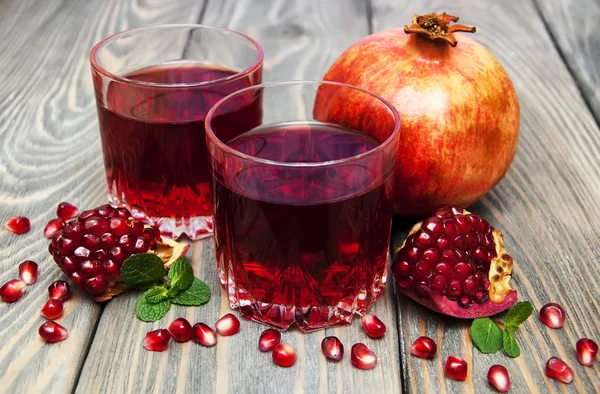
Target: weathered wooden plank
{"points": [[545, 207], [572, 25], [50, 152], [300, 40]]}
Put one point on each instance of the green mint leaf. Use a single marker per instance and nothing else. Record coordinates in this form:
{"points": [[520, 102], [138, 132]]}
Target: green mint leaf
{"points": [[150, 312], [156, 294], [511, 348], [181, 276], [197, 294], [142, 270], [486, 335], [518, 314]]}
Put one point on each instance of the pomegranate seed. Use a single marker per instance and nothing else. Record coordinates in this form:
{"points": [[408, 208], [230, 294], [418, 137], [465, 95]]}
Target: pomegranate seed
{"points": [[18, 225], [12, 290], [52, 309], [66, 211], [204, 335], [586, 351], [373, 326], [269, 338], [52, 332], [52, 227], [228, 325], [552, 315], [59, 290], [181, 330], [284, 355], [456, 368], [28, 271], [362, 357], [332, 348], [498, 377], [157, 340], [96, 285], [424, 347], [559, 370]]}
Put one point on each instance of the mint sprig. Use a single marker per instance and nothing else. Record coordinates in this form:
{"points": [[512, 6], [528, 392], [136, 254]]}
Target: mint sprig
{"points": [[489, 338]]}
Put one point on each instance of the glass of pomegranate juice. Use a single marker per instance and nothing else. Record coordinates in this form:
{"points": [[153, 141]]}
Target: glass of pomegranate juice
{"points": [[302, 202], [154, 87]]}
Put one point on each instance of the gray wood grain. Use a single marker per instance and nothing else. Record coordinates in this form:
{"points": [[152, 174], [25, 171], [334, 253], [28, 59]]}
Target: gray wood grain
{"points": [[572, 24], [545, 206]]}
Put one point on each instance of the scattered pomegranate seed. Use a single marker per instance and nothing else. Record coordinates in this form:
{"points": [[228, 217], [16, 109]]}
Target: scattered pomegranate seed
{"points": [[52, 332], [269, 338], [456, 368], [373, 326], [362, 357], [424, 347], [559, 370], [204, 335], [552, 315], [59, 290], [66, 211], [52, 309], [498, 377], [181, 330], [12, 290], [228, 325], [52, 227], [157, 340], [586, 351], [284, 355], [18, 225], [28, 271], [332, 348]]}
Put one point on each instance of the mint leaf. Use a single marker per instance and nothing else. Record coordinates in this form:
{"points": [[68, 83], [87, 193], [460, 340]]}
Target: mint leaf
{"points": [[141, 271], [156, 294], [486, 335], [197, 294], [181, 275], [511, 348], [518, 314], [150, 312]]}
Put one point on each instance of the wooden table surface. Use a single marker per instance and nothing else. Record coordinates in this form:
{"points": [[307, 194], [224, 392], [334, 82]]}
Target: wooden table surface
{"points": [[547, 206]]}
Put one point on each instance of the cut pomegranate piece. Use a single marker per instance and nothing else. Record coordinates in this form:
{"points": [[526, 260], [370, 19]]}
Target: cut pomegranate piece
{"points": [[181, 330], [52, 309], [269, 338], [157, 340], [52, 332], [362, 357], [455, 263], [456, 368], [228, 325], [12, 290], [373, 326], [204, 335], [587, 350], [559, 370], [498, 377], [28, 272], [332, 348], [59, 290], [552, 315], [52, 227], [18, 225], [284, 355], [424, 347], [66, 211]]}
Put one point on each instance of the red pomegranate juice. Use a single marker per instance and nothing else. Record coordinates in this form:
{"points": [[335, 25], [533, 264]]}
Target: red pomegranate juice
{"points": [[309, 249]]}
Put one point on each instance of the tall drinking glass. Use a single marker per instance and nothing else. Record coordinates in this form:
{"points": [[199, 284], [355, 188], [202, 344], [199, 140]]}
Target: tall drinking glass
{"points": [[302, 202], [154, 87]]}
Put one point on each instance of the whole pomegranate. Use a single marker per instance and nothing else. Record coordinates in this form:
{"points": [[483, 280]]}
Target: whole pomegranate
{"points": [[455, 263], [458, 108]]}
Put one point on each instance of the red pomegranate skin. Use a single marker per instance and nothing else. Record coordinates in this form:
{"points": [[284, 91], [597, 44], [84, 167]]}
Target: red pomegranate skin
{"points": [[458, 108]]}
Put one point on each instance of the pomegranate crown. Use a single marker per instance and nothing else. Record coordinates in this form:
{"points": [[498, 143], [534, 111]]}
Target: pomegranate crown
{"points": [[437, 27]]}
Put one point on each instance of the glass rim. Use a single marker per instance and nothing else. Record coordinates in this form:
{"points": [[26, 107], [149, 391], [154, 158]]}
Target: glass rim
{"points": [[100, 69], [224, 147]]}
